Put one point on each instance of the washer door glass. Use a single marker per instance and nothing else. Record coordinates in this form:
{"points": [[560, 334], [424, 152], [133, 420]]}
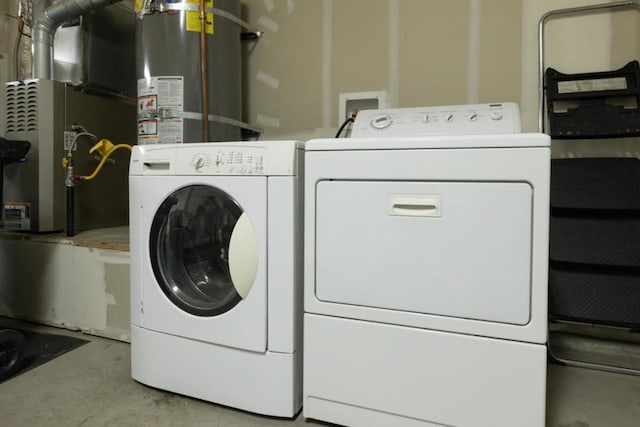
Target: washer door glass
{"points": [[203, 250]]}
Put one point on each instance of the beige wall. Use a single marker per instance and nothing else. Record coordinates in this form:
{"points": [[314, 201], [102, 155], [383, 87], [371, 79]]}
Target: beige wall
{"points": [[421, 52]]}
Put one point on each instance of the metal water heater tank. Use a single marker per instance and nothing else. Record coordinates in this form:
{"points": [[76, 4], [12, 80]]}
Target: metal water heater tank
{"points": [[169, 70]]}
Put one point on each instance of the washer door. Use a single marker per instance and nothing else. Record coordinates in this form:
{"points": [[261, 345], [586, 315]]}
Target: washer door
{"points": [[203, 250]]}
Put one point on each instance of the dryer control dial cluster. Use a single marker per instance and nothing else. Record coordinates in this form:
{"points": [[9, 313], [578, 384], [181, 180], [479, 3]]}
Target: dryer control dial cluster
{"points": [[473, 119]]}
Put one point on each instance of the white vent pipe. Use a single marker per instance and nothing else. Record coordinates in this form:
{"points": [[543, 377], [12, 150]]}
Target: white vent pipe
{"points": [[46, 21]]}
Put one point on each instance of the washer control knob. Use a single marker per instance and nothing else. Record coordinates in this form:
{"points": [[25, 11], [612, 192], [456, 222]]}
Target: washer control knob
{"points": [[448, 117], [496, 115], [472, 116], [199, 163], [381, 121]]}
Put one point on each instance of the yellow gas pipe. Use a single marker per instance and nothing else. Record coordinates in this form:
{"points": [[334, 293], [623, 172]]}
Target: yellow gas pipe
{"points": [[105, 148]]}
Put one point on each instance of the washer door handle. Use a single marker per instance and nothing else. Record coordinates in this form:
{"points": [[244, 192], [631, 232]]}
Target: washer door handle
{"points": [[243, 256], [157, 165]]}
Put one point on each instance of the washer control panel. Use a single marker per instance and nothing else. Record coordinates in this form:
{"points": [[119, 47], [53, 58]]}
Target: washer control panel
{"points": [[224, 160], [474, 119], [248, 158]]}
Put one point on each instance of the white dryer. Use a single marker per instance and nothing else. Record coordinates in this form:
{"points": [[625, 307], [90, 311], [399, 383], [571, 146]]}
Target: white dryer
{"points": [[426, 239], [216, 272]]}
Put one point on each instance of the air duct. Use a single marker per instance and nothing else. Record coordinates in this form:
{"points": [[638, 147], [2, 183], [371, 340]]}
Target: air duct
{"points": [[46, 21]]}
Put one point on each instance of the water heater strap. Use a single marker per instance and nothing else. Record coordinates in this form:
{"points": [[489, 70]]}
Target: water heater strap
{"points": [[221, 119], [194, 7], [231, 17]]}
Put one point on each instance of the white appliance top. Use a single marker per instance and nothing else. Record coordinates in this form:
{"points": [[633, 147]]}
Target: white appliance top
{"points": [[473, 119], [241, 158], [519, 140]]}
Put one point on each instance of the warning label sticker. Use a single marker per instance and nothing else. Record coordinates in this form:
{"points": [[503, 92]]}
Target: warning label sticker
{"points": [[193, 22], [160, 108], [207, 3], [17, 216], [193, 18]]}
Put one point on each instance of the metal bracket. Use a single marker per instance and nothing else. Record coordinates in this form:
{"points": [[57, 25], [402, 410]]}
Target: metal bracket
{"points": [[251, 35]]}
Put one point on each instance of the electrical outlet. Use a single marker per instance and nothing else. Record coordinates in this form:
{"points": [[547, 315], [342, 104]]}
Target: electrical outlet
{"points": [[360, 101]]}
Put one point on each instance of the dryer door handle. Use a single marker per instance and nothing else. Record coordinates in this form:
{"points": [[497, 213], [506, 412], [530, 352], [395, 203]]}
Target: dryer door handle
{"points": [[414, 205]]}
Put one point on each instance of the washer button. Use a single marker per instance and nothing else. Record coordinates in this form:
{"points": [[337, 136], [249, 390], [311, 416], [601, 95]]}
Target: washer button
{"points": [[496, 115]]}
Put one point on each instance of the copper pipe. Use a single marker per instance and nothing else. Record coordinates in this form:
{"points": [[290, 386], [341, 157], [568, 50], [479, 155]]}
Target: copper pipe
{"points": [[203, 70]]}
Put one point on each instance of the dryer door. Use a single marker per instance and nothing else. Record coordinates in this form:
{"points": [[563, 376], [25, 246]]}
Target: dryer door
{"points": [[205, 249], [453, 249], [204, 263]]}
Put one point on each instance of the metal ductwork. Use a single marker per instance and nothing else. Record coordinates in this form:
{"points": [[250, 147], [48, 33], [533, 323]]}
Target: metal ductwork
{"points": [[46, 21]]}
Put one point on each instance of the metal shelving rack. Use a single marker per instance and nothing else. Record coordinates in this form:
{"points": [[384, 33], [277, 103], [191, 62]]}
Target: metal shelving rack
{"points": [[628, 346], [574, 11]]}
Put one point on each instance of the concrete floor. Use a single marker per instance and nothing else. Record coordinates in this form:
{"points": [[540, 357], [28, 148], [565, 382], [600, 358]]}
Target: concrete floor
{"points": [[92, 386]]}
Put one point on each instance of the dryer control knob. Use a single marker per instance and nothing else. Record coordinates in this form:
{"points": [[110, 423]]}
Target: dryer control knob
{"points": [[382, 121], [496, 115]]}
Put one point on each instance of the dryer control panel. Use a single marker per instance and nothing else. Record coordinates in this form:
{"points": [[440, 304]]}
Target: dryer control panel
{"points": [[473, 119]]}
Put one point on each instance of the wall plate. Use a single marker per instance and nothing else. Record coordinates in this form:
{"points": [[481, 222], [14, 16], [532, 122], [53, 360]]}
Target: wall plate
{"points": [[360, 101]]}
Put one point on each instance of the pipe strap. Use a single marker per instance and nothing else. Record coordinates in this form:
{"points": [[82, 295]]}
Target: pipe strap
{"points": [[221, 119]]}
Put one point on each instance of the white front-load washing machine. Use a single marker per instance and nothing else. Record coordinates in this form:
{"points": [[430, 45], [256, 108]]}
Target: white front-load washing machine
{"points": [[426, 238], [216, 272]]}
